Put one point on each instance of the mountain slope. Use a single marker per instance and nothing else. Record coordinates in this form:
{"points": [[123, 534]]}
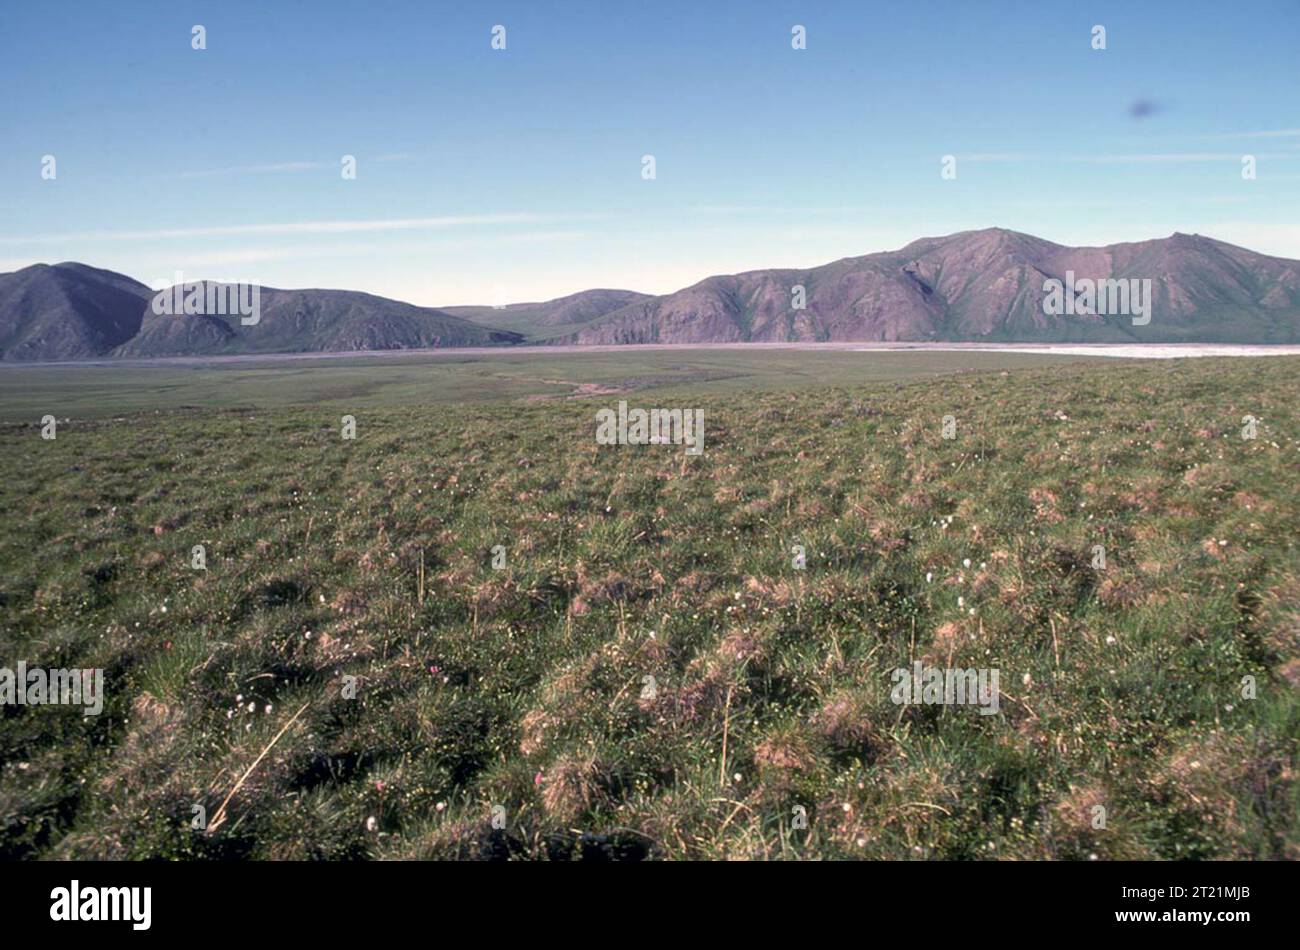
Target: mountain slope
{"points": [[978, 285], [71, 311], [973, 286], [295, 321], [67, 311], [551, 317]]}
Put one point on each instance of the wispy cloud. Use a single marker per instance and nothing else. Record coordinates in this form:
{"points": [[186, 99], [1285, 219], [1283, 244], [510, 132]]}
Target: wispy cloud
{"points": [[277, 168], [776, 209], [1153, 158], [292, 252], [8, 264], [1264, 134], [1096, 204], [312, 227], [1118, 158], [1282, 240], [997, 157]]}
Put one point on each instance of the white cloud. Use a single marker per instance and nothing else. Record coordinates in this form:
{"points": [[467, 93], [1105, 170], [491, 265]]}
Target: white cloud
{"points": [[1280, 240], [256, 169], [776, 209], [998, 157], [352, 251], [8, 264], [1155, 158], [308, 227], [273, 168], [1118, 158], [1265, 134]]}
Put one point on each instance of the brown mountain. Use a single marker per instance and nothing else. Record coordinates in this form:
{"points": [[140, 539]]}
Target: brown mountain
{"points": [[71, 311], [978, 285], [67, 312], [551, 317], [973, 286], [294, 321]]}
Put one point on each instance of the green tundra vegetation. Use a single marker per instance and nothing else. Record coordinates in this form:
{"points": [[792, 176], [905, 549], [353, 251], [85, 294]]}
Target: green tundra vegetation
{"points": [[473, 632], [96, 390]]}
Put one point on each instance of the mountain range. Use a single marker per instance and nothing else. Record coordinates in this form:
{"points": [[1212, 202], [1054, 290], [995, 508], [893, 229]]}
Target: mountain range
{"points": [[75, 312], [983, 285]]}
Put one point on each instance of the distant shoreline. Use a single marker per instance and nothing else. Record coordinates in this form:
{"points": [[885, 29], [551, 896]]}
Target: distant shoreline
{"points": [[1113, 350]]}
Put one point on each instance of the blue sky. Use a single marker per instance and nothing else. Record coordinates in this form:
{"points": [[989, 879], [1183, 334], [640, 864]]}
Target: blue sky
{"points": [[496, 176]]}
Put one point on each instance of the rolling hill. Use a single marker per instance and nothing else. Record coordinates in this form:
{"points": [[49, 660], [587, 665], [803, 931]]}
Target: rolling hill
{"points": [[974, 286], [71, 311], [552, 318], [977, 286], [67, 312]]}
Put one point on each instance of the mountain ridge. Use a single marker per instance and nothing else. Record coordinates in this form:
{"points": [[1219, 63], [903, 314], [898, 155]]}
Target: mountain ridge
{"points": [[75, 311], [971, 286], [984, 285]]}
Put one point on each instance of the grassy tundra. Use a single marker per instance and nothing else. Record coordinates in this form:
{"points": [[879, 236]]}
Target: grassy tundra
{"points": [[526, 687]]}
